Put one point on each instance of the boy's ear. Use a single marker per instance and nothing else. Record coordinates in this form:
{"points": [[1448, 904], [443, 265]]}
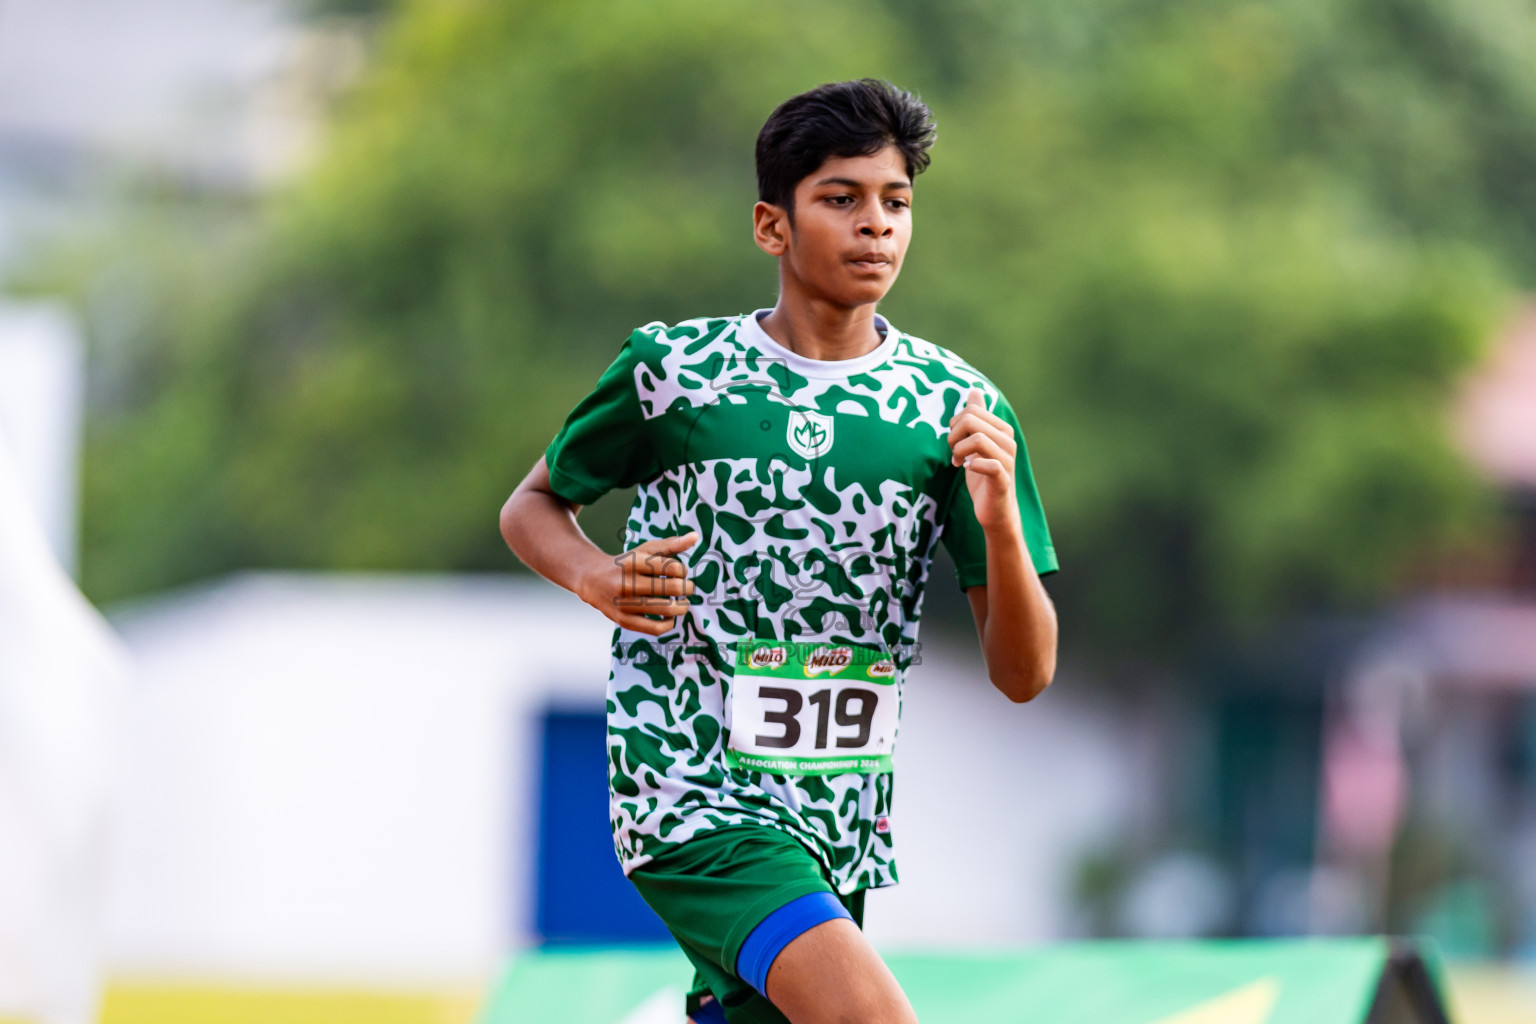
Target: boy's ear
{"points": [[770, 228]]}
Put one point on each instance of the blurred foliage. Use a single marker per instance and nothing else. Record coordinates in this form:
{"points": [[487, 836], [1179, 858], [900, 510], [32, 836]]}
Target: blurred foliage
{"points": [[1227, 260]]}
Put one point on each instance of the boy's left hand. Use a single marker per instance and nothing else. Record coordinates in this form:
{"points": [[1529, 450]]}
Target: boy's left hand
{"points": [[983, 443]]}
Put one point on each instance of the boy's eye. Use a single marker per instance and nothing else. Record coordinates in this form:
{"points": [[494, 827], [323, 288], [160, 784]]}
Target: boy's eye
{"points": [[898, 204], [840, 200]]}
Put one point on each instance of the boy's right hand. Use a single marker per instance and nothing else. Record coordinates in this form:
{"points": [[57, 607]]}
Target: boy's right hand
{"points": [[648, 579]]}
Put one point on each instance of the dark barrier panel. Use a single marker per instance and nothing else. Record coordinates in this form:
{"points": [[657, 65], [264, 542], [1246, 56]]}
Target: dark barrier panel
{"points": [[1407, 993], [1322, 981]]}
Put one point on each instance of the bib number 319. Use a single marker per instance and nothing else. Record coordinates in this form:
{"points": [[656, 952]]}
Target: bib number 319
{"points": [[812, 709]]}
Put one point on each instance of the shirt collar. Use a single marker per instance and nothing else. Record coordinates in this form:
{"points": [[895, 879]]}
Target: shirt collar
{"points": [[752, 332]]}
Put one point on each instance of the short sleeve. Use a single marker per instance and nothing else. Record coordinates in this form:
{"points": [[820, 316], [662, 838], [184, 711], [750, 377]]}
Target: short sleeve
{"points": [[604, 444], [963, 536]]}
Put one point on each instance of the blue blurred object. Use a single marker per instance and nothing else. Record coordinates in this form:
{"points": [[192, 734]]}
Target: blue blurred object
{"points": [[582, 896]]}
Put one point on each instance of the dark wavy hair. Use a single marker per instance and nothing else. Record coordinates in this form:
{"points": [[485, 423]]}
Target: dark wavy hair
{"points": [[838, 119]]}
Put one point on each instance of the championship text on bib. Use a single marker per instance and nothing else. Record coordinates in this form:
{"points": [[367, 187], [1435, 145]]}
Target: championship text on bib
{"points": [[812, 708]]}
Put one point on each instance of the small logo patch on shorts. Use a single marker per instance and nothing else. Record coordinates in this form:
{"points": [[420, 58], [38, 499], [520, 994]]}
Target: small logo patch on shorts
{"points": [[882, 824]]}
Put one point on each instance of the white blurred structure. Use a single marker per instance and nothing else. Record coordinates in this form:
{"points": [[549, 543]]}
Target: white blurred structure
{"points": [[219, 90], [42, 366], [60, 673], [220, 96], [337, 777], [157, 81], [326, 775]]}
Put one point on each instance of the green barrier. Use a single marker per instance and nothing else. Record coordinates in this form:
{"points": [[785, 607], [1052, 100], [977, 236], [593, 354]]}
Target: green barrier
{"points": [[1321, 981]]}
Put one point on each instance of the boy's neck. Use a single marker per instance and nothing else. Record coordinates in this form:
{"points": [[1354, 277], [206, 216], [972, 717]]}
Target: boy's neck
{"points": [[820, 330]]}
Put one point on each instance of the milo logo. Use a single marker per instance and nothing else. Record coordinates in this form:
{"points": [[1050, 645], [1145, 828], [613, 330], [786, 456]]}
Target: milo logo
{"points": [[883, 669], [767, 657], [831, 660]]}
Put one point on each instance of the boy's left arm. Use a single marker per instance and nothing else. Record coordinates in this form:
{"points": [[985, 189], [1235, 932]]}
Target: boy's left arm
{"points": [[1014, 615]]}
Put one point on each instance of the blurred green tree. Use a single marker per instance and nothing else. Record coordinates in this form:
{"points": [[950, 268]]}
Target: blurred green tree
{"points": [[1227, 259], [1235, 341], [511, 190]]}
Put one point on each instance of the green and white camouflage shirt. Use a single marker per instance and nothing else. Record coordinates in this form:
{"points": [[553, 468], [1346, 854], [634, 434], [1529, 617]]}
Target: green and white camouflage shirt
{"points": [[819, 490]]}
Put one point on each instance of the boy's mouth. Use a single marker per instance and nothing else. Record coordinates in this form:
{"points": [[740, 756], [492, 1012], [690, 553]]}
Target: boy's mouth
{"points": [[871, 261]]}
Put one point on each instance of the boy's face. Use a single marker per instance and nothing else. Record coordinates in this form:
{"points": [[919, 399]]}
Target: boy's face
{"points": [[849, 233]]}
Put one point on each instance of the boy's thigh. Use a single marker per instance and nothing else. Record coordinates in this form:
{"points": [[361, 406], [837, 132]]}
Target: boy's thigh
{"points": [[712, 893], [830, 974]]}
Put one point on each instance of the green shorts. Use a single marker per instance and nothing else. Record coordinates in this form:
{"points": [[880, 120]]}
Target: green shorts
{"points": [[715, 888]]}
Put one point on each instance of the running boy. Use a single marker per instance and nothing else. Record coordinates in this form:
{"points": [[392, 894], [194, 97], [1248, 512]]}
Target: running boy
{"points": [[796, 468]]}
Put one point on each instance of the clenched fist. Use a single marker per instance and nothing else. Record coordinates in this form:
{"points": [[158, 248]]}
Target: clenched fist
{"points": [[648, 579], [983, 443]]}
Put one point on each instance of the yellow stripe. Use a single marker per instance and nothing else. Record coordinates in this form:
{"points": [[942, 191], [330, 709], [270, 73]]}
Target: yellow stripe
{"points": [[1492, 994], [134, 1003], [1250, 1004]]}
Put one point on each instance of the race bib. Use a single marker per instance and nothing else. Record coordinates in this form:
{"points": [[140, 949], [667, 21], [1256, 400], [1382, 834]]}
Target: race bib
{"points": [[816, 708]]}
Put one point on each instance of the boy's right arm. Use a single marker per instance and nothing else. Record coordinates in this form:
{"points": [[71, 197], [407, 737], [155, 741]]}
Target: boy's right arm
{"points": [[540, 527]]}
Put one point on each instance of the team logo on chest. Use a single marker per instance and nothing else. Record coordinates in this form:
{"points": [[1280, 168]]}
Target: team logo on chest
{"points": [[810, 433]]}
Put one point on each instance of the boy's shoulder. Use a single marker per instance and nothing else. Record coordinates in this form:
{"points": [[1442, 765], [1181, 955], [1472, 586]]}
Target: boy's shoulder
{"points": [[685, 333], [945, 369], [937, 359], [687, 364]]}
